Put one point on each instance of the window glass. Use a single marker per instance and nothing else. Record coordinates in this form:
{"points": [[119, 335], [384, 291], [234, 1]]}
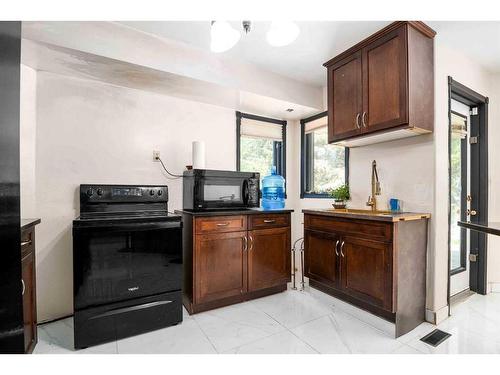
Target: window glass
{"points": [[256, 155], [324, 166]]}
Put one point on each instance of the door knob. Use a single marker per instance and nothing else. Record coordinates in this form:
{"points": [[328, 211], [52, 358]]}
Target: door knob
{"points": [[471, 212]]}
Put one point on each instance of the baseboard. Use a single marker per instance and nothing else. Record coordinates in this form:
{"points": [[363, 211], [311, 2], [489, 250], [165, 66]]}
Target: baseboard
{"points": [[494, 287], [436, 317]]}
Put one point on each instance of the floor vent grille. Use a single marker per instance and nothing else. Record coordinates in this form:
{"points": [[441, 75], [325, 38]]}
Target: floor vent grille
{"points": [[435, 338]]}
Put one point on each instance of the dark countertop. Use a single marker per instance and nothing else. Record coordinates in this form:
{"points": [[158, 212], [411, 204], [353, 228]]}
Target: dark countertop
{"points": [[489, 227], [385, 216], [248, 211], [27, 223]]}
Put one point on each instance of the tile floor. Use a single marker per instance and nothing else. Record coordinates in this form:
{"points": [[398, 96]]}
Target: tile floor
{"points": [[296, 322]]}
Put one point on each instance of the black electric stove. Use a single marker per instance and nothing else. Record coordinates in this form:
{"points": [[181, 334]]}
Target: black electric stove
{"points": [[127, 263]]}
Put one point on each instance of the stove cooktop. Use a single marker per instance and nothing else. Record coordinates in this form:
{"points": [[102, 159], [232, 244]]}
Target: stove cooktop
{"points": [[125, 217]]}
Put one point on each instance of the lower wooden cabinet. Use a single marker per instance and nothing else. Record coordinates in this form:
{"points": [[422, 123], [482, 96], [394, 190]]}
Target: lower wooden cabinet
{"points": [[224, 264], [268, 258], [28, 281], [375, 265], [221, 266], [320, 257], [366, 271]]}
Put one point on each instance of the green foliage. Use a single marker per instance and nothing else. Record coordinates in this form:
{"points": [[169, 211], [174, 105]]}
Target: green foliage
{"points": [[341, 193], [328, 163], [256, 155]]}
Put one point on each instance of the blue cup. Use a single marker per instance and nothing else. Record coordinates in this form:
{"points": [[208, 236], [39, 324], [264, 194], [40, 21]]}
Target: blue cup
{"points": [[395, 205]]}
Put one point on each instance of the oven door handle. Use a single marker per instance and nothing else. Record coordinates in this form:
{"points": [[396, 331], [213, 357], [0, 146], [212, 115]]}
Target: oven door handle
{"points": [[131, 308], [129, 227]]}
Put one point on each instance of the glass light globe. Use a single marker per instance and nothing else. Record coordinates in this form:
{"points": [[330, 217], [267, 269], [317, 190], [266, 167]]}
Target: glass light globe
{"points": [[223, 36]]}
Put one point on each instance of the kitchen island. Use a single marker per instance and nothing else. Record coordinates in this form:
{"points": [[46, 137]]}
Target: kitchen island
{"points": [[233, 256], [375, 260]]}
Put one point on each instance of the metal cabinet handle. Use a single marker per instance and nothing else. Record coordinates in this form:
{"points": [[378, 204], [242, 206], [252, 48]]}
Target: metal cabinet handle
{"points": [[26, 243], [363, 119], [337, 248], [222, 224], [245, 243], [269, 221], [24, 286], [251, 242], [356, 121], [342, 249]]}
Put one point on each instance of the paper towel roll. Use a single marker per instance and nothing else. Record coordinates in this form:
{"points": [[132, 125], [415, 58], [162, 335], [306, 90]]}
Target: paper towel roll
{"points": [[198, 155]]}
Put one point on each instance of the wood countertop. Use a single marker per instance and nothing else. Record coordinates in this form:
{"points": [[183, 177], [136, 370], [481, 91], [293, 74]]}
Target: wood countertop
{"points": [[386, 216], [27, 223], [248, 211]]}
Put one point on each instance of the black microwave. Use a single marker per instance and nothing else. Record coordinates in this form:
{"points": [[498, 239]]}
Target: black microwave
{"points": [[205, 189]]}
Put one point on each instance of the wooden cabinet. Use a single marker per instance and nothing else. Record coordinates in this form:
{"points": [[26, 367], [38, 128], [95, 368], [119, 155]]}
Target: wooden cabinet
{"points": [[366, 269], [345, 97], [383, 87], [232, 258], [321, 257], [28, 281], [269, 258], [379, 266], [220, 266], [29, 298]]}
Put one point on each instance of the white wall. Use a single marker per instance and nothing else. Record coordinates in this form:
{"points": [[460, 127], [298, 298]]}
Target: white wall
{"points": [[28, 141], [494, 183], [91, 132]]}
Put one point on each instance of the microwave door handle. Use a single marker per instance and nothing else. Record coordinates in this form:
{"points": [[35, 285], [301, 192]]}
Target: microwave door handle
{"points": [[245, 192]]}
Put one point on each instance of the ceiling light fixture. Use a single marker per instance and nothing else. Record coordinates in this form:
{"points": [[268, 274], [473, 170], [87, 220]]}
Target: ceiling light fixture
{"points": [[282, 33], [223, 36]]}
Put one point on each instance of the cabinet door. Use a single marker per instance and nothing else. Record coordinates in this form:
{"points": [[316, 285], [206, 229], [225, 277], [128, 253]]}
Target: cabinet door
{"points": [[29, 312], [366, 271], [345, 98], [220, 266], [320, 257], [385, 82], [268, 258]]}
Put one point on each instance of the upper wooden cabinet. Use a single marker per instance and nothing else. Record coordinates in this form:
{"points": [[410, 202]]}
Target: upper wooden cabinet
{"points": [[383, 87]]}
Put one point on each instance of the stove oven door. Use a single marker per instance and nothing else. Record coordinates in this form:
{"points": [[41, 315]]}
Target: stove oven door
{"points": [[120, 262]]}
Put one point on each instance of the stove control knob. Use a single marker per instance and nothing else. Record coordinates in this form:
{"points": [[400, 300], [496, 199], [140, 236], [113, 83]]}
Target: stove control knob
{"points": [[99, 191], [152, 192], [160, 192], [90, 192]]}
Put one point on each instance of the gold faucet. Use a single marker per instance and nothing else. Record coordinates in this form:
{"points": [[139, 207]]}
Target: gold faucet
{"points": [[372, 201]]}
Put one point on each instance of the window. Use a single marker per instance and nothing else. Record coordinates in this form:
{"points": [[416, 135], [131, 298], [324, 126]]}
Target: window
{"points": [[260, 144], [323, 166]]}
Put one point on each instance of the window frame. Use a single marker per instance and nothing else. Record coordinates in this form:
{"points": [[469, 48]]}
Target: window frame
{"points": [[279, 153], [306, 152]]}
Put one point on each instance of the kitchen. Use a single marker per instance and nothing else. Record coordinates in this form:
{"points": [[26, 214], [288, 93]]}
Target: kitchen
{"points": [[96, 114]]}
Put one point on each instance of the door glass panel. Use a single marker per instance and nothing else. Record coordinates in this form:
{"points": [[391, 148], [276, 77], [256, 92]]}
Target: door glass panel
{"points": [[458, 191], [217, 190], [114, 266]]}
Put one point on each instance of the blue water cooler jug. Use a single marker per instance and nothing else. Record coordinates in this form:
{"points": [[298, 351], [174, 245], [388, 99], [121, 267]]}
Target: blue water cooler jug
{"points": [[273, 191]]}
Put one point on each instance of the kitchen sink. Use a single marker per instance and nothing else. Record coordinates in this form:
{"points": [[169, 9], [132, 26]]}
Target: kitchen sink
{"points": [[356, 211]]}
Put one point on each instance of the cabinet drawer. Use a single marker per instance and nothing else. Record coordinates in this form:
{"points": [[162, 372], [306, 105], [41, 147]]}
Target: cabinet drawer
{"points": [[364, 228], [27, 242], [220, 224], [268, 221]]}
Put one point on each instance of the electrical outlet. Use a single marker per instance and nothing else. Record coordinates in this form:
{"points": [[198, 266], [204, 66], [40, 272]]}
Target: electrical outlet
{"points": [[156, 155]]}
